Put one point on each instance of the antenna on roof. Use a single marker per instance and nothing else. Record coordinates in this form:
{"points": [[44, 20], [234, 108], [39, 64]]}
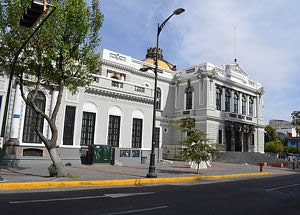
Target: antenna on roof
{"points": [[234, 43]]}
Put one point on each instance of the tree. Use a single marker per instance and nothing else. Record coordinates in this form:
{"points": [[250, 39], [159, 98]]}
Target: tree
{"points": [[270, 134], [195, 145], [274, 147], [296, 121], [62, 55]]}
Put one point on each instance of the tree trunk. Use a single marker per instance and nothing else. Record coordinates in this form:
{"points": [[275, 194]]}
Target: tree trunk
{"points": [[198, 165], [57, 162]]}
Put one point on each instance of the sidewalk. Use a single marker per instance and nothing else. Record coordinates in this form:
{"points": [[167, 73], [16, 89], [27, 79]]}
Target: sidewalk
{"points": [[177, 170]]}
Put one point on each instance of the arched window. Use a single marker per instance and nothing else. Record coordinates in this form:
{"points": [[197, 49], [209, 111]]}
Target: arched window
{"points": [[227, 100], [158, 98], [189, 96], [236, 103], [33, 120], [244, 105], [218, 98], [251, 106]]}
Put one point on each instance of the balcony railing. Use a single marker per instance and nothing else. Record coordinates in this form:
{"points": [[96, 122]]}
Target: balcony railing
{"points": [[122, 86]]}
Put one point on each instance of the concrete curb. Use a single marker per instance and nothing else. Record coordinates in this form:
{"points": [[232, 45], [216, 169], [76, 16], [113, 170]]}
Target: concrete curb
{"points": [[95, 183]]}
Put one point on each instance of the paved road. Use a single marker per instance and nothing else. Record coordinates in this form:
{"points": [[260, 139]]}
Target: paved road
{"points": [[272, 195]]}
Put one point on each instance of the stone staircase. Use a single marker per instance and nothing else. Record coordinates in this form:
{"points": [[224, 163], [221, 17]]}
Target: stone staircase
{"points": [[247, 157]]}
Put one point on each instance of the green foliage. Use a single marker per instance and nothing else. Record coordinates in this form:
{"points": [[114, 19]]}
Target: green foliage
{"points": [[52, 170], [274, 147], [296, 121], [291, 149], [64, 48], [270, 134], [195, 145]]}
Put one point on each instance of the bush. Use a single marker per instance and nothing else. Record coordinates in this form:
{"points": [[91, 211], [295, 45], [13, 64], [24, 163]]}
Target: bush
{"points": [[52, 170]]}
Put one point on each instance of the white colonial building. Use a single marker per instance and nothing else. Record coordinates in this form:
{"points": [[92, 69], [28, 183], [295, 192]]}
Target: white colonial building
{"points": [[116, 110]]}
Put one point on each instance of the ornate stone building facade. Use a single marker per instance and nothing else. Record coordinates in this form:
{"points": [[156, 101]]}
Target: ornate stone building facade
{"points": [[116, 110]]}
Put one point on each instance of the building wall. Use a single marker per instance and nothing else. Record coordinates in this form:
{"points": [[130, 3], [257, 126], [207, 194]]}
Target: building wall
{"points": [[121, 88]]}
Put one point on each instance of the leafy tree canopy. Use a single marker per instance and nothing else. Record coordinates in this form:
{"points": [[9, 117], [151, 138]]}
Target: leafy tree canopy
{"points": [[270, 134]]}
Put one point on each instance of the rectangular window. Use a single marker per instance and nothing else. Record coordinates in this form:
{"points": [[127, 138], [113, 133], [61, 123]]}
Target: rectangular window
{"points": [[137, 130], [0, 102], [114, 130], [88, 128], [157, 133], [220, 137], [69, 125], [189, 100]]}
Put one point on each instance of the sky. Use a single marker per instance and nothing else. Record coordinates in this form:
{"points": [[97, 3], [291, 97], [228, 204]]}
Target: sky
{"points": [[267, 38]]}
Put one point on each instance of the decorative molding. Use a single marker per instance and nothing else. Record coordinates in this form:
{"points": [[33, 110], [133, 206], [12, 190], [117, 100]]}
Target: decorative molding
{"points": [[116, 95]]}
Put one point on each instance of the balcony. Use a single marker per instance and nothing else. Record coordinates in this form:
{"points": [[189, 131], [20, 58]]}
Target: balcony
{"points": [[118, 86], [238, 117]]}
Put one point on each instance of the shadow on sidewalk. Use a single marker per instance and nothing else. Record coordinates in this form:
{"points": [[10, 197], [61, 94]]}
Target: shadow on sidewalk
{"points": [[18, 170]]}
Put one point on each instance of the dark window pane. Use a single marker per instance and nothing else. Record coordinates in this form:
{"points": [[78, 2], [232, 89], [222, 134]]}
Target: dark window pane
{"points": [[69, 125], [33, 120], [227, 100], [88, 128], [218, 98], [114, 130], [137, 129], [220, 137]]}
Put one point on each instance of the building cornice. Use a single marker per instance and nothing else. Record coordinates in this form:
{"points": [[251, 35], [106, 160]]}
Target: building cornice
{"points": [[123, 96]]}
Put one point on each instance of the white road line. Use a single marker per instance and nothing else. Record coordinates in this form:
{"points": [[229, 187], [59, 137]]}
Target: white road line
{"points": [[53, 200], [113, 195], [136, 211], [278, 188]]}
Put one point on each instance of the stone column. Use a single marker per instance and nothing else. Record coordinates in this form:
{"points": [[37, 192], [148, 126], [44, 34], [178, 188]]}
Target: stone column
{"points": [[233, 137], [53, 103], [16, 117], [240, 103], [231, 100], [223, 98], [247, 105]]}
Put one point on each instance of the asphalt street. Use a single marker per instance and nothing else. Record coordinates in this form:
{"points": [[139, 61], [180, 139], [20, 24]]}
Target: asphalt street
{"points": [[268, 195]]}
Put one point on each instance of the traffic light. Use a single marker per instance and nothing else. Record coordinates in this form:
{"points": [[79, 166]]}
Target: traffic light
{"points": [[33, 13]]}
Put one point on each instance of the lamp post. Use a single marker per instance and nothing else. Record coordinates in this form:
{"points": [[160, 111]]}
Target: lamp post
{"points": [[151, 173]]}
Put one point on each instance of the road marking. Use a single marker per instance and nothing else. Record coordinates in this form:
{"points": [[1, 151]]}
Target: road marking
{"points": [[278, 188], [53, 200], [136, 211], [113, 195], [120, 195]]}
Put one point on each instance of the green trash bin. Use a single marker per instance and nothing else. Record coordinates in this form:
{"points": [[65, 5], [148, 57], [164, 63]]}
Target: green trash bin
{"points": [[102, 154]]}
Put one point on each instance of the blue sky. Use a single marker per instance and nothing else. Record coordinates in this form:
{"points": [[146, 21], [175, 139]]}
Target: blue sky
{"points": [[267, 39]]}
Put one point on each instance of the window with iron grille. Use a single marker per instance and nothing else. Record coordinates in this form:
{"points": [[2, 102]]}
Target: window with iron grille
{"points": [[88, 128], [236, 103], [69, 125], [244, 105], [218, 98], [158, 98], [114, 130], [189, 100], [227, 100], [33, 120], [251, 106], [157, 133], [137, 130]]}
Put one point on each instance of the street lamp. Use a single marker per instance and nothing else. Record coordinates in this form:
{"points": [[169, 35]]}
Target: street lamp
{"points": [[151, 173]]}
